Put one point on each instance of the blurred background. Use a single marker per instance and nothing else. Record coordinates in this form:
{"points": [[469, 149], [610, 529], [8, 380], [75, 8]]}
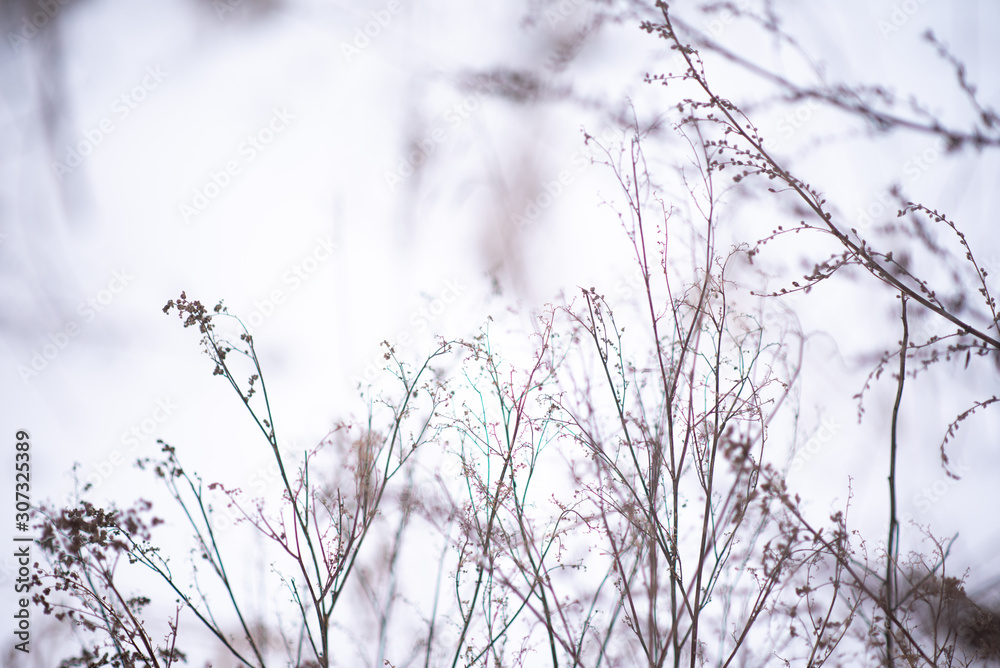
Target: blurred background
{"points": [[343, 173]]}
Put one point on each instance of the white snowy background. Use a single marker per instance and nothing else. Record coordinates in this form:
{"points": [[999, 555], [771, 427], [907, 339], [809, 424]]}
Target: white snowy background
{"points": [[261, 153]]}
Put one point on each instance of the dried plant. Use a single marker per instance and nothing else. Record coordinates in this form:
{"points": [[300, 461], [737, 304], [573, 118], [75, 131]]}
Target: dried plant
{"points": [[608, 486], [80, 584]]}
